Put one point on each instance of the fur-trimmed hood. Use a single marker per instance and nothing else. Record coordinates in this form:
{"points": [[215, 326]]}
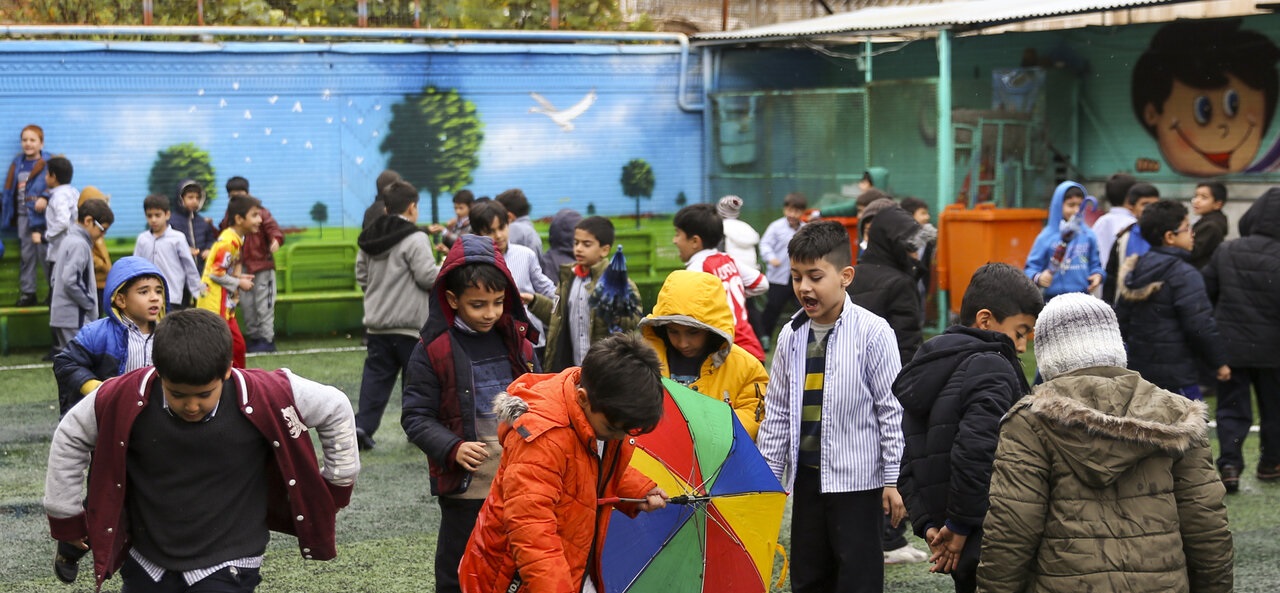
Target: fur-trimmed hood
{"points": [[1142, 276], [1105, 420]]}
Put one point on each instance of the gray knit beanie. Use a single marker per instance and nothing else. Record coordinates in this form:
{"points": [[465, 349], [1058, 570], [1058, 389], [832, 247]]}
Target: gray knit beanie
{"points": [[1077, 331], [729, 207]]}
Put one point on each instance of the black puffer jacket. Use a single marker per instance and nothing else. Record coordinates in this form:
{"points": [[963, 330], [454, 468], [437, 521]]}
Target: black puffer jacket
{"points": [[885, 279], [953, 395], [1166, 318], [1243, 280]]}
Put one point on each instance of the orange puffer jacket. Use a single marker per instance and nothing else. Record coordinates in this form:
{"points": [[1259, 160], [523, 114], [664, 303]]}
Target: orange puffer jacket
{"points": [[541, 515]]}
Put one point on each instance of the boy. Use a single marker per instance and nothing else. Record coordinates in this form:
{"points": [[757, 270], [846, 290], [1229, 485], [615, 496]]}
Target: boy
{"points": [[473, 346], [740, 239], [1164, 311], [1212, 227], [522, 231], [572, 326], [119, 343], [1064, 257], [23, 200], [1128, 241], [257, 259], [166, 248], [212, 456], [460, 225], [1119, 214], [101, 255], [396, 270], [691, 328], [699, 229], [773, 249], [61, 213], [379, 205], [490, 219], [885, 281], [198, 230], [566, 445], [832, 430], [953, 395], [74, 301], [220, 280], [1241, 280]]}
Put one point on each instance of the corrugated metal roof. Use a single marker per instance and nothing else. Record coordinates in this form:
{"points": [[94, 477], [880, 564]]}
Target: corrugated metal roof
{"points": [[960, 14]]}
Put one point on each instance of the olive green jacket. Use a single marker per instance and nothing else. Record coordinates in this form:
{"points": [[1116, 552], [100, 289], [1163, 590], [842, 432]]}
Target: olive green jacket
{"points": [[1105, 482], [555, 312]]}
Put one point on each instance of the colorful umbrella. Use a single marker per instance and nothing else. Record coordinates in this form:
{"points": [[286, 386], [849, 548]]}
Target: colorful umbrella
{"points": [[612, 299], [721, 534]]}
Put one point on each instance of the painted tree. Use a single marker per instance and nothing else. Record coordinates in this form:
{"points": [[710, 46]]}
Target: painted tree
{"points": [[434, 142], [681, 199], [320, 214], [179, 162], [637, 182]]}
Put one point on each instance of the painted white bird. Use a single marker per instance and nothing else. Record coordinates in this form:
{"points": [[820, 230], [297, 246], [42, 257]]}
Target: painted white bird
{"points": [[563, 117]]}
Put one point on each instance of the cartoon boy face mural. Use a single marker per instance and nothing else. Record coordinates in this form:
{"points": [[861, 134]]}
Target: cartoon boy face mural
{"points": [[1206, 91]]}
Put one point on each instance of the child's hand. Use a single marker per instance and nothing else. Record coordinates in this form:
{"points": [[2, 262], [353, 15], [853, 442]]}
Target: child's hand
{"points": [[35, 238], [435, 229], [40, 205], [949, 545], [1224, 373], [526, 297], [246, 283], [654, 500], [775, 262], [470, 455], [891, 501], [930, 536], [1045, 279], [1094, 281], [275, 246]]}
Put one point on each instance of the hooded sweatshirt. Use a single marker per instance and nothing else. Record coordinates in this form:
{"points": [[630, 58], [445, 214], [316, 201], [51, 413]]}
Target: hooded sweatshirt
{"points": [[1081, 259], [198, 230], [886, 278], [396, 270], [74, 299], [729, 372], [35, 187], [560, 240], [1241, 280], [1105, 482]]}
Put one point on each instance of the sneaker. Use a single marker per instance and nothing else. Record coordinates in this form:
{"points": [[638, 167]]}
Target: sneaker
{"points": [[66, 562], [26, 300], [1230, 478], [905, 555], [1269, 472], [363, 441], [268, 347]]}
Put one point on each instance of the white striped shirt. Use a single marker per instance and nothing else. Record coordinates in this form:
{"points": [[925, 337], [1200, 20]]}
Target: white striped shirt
{"points": [[526, 269], [139, 344], [861, 419], [156, 572]]}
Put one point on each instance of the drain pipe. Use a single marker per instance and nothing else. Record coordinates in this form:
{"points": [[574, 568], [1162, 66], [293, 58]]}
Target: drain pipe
{"points": [[445, 35]]}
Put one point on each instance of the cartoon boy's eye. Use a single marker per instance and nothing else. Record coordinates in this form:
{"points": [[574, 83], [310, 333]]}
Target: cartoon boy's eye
{"points": [[1203, 110], [1230, 103]]}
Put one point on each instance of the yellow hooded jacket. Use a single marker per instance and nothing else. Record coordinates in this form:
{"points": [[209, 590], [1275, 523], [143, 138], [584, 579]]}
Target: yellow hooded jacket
{"points": [[697, 299]]}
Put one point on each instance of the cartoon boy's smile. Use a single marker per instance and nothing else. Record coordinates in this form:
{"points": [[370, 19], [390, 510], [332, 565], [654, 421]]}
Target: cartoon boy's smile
{"points": [[1208, 132], [1221, 159]]}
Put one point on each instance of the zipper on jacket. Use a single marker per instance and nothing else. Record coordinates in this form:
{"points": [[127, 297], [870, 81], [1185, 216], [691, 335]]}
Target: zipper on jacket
{"points": [[602, 478]]}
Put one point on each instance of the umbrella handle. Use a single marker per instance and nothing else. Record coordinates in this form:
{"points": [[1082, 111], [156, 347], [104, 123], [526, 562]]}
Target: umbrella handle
{"points": [[616, 500]]}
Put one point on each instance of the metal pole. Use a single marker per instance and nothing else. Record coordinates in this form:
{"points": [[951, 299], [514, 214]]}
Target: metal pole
{"points": [[146, 12], [555, 22], [724, 15], [866, 104], [200, 12], [362, 13], [946, 150]]}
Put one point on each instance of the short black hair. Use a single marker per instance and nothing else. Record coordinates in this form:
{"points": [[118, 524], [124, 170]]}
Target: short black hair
{"points": [[60, 167], [1138, 191], [1216, 189], [795, 199], [911, 204], [599, 227], [475, 275], [623, 380], [192, 347], [134, 280], [485, 214], [1002, 289], [155, 202], [1072, 192], [398, 196], [515, 201], [1118, 187], [241, 207], [1159, 218], [824, 239], [191, 187], [464, 196], [98, 209], [237, 183], [867, 197], [701, 220]]}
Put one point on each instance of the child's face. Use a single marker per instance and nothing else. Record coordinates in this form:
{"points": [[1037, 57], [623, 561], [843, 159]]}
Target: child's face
{"points": [[587, 250], [686, 245], [250, 222], [191, 201], [921, 215], [477, 306], [461, 210], [1018, 327], [51, 180], [31, 144], [604, 429], [1183, 238], [193, 402], [1207, 132], [1203, 203], [499, 234], [1071, 206], [794, 215], [96, 229], [157, 220], [690, 342], [1142, 204], [820, 288], [142, 301]]}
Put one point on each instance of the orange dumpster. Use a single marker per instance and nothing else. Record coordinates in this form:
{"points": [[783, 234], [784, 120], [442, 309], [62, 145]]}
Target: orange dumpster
{"points": [[968, 239]]}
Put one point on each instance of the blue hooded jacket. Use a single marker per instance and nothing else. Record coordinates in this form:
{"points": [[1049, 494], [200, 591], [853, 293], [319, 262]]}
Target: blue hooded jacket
{"points": [[101, 349], [35, 185], [1081, 260]]}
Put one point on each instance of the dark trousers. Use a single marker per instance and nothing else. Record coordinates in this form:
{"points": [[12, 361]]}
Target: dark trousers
{"points": [[892, 537], [780, 299], [227, 580], [387, 357], [965, 574], [1235, 414], [835, 539], [457, 519]]}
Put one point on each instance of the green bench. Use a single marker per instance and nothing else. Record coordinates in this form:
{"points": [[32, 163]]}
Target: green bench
{"points": [[314, 272], [7, 312]]}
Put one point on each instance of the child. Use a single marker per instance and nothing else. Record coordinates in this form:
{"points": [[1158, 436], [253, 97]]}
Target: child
{"points": [[25, 198], [699, 229], [565, 445], [886, 278], [1064, 257], [396, 270], [773, 249], [560, 242], [490, 219], [74, 301], [1128, 241], [953, 395], [257, 259], [1241, 280], [1164, 312], [198, 230], [220, 280], [1101, 480], [101, 256], [450, 414], [522, 231], [740, 239], [1118, 217], [60, 214], [572, 326], [460, 225], [212, 458], [379, 205], [166, 248], [919, 210], [1212, 227], [832, 430], [136, 294], [691, 328]]}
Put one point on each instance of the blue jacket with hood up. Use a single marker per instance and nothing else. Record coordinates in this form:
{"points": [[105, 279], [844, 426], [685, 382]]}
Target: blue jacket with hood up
{"points": [[1081, 259]]}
